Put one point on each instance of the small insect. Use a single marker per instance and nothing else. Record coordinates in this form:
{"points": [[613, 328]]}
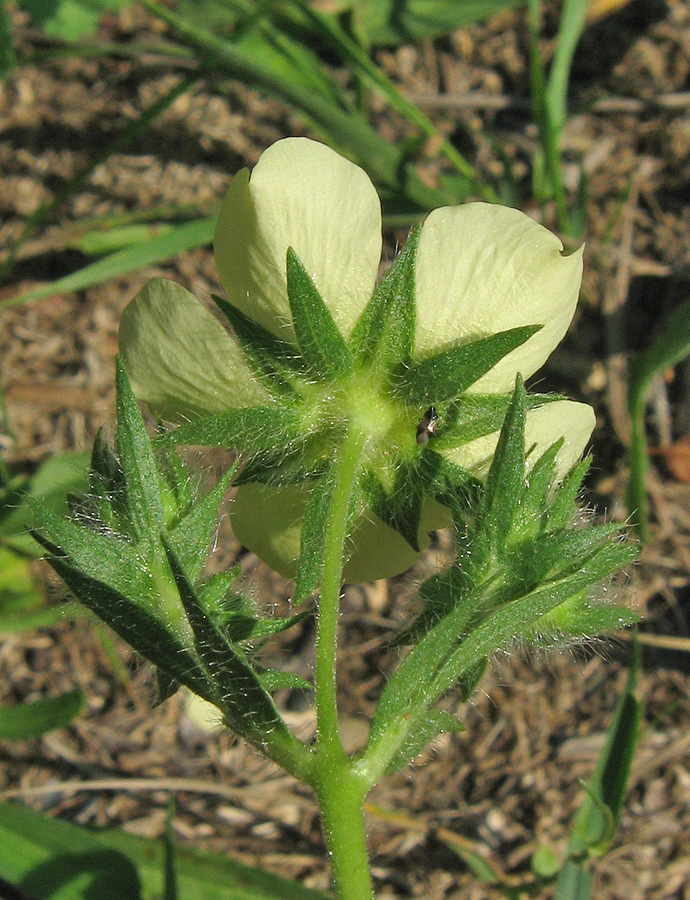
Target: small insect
{"points": [[427, 427]]}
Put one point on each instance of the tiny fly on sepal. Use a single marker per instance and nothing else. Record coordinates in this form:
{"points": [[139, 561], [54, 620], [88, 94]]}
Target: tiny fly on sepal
{"points": [[427, 427]]}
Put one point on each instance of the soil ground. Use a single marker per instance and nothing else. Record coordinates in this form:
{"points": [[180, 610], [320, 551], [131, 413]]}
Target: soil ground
{"points": [[510, 782]]}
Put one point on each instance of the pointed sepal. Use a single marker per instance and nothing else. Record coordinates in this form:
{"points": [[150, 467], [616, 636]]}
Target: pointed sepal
{"points": [[323, 347]]}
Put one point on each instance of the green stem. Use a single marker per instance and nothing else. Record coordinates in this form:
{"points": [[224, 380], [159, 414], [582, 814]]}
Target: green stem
{"points": [[336, 532], [341, 795], [340, 788]]}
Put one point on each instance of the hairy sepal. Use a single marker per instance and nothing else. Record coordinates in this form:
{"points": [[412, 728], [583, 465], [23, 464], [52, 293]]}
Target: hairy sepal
{"points": [[277, 364], [384, 334], [446, 375], [323, 348]]}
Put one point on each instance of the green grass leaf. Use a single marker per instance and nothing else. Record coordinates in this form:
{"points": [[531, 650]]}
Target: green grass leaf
{"points": [[53, 860], [29, 720], [177, 240]]}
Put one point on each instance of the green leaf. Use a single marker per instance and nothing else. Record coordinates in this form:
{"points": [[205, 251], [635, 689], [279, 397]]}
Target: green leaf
{"points": [[29, 720], [70, 20], [554, 555], [390, 22], [137, 461], [597, 818], [236, 685], [561, 510], [672, 346], [323, 347], [109, 560], [191, 537], [179, 239], [513, 621], [137, 623], [276, 363], [8, 58], [272, 680], [55, 479], [385, 330], [506, 478], [53, 860], [431, 725], [447, 374], [257, 429], [581, 619], [574, 883]]}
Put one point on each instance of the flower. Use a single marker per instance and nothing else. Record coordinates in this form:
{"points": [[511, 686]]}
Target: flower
{"points": [[479, 270]]}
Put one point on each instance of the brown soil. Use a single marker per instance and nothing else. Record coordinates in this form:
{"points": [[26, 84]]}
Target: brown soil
{"points": [[510, 782]]}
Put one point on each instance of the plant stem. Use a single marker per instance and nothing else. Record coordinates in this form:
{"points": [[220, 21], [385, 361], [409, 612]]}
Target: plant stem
{"points": [[336, 532], [341, 796], [340, 788]]}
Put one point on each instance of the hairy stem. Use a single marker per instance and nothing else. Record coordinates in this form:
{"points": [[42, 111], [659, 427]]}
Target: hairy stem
{"points": [[340, 788]]}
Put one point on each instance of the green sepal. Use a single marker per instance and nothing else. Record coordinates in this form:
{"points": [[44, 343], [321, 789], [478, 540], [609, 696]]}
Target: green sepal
{"points": [[324, 351], [384, 333], [506, 478], [191, 537], [561, 510], [313, 535], [434, 723], [446, 375], [136, 458], [255, 429], [275, 363], [476, 415], [446, 481], [284, 466], [238, 693], [400, 506]]}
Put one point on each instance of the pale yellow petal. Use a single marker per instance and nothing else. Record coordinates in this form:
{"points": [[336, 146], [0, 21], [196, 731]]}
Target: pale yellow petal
{"points": [[543, 427], [180, 359], [301, 194], [268, 521], [482, 269]]}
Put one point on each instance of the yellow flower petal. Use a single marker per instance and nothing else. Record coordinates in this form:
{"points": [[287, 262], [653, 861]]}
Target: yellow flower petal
{"points": [[544, 425], [301, 194], [268, 521], [180, 359], [482, 269]]}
